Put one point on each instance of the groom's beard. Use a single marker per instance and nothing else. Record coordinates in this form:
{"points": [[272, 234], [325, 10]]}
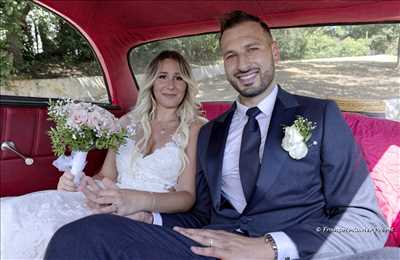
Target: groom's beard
{"points": [[266, 79]]}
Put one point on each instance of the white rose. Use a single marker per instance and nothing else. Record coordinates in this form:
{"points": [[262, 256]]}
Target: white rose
{"points": [[291, 138], [298, 151], [293, 142]]}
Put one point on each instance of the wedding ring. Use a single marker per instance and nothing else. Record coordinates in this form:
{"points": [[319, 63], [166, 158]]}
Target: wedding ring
{"points": [[210, 242]]}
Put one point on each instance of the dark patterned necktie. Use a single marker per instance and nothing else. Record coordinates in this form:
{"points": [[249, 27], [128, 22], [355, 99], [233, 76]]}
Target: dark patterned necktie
{"points": [[249, 160]]}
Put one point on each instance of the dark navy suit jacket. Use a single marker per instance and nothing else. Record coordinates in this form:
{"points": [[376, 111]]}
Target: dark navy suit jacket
{"points": [[293, 196]]}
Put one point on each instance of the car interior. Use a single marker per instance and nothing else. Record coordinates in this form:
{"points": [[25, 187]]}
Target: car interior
{"points": [[123, 36]]}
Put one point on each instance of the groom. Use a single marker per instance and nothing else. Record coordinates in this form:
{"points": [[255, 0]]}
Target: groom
{"points": [[255, 200]]}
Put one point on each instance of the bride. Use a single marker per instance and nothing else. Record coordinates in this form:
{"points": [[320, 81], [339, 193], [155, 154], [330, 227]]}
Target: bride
{"points": [[154, 170]]}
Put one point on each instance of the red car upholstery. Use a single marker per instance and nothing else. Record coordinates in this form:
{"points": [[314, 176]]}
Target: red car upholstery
{"points": [[379, 140]]}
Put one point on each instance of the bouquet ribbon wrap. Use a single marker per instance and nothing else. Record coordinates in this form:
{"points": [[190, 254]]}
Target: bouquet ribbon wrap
{"points": [[75, 163]]}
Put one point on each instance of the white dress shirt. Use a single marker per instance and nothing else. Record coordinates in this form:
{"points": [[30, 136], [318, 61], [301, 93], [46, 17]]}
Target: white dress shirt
{"points": [[231, 184]]}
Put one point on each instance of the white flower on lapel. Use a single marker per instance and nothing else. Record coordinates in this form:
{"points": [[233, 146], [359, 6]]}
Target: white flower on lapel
{"points": [[296, 137]]}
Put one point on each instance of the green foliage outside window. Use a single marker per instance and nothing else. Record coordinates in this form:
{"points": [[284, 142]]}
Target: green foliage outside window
{"points": [[338, 41], [34, 43], [295, 44]]}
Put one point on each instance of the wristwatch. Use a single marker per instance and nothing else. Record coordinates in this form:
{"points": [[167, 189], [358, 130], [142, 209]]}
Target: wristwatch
{"points": [[270, 241]]}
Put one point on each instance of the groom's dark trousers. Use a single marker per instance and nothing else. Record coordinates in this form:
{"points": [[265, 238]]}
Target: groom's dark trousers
{"points": [[298, 197]]}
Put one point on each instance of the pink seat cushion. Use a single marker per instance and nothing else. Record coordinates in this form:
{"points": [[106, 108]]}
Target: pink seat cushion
{"points": [[379, 140], [386, 176]]}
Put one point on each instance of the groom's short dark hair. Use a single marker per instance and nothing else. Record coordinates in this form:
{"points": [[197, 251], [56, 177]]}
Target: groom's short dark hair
{"points": [[234, 18]]}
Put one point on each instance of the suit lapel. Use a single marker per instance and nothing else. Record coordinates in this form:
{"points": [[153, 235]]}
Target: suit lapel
{"points": [[273, 156], [215, 153]]}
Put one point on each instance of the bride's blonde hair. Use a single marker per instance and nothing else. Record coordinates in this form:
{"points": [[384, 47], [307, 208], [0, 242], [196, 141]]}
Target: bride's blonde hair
{"points": [[188, 111]]}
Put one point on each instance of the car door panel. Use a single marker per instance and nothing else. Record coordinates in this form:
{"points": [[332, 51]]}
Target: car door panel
{"points": [[27, 127]]}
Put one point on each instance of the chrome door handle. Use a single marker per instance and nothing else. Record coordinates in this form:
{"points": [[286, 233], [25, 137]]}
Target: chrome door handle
{"points": [[9, 145]]}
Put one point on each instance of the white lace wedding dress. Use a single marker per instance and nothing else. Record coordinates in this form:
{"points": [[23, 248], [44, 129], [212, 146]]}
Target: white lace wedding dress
{"points": [[28, 222]]}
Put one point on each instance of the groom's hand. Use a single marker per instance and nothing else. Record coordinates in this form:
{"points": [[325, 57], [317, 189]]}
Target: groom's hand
{"points": [[224, 245]]}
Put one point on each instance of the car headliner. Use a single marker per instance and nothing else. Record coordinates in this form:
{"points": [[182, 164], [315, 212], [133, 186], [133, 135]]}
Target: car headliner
{"points": [[114, 27]]}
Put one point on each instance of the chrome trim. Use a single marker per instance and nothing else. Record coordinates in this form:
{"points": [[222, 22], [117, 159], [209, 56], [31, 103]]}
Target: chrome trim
{"points": [[9, 145]]}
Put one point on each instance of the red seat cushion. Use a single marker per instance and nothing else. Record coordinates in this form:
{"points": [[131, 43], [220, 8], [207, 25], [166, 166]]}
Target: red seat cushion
{"points": [[214, 109], [379, 140]]}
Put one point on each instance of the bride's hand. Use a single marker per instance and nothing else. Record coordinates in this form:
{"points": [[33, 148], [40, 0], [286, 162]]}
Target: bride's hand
{"points": [[90, 189], [122, 202], [66, 182]]}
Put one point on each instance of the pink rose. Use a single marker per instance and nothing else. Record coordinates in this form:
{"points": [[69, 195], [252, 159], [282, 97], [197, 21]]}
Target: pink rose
{"points": [[107, 123], [79, 117], [115, 127], [95, 119]]}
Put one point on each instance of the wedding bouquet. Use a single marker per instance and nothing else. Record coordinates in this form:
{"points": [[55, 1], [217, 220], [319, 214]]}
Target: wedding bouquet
{"points": [[80, 127]]}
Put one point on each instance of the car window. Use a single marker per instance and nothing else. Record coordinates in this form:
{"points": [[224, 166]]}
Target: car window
{"points": [[356, 65], [42, 56]]}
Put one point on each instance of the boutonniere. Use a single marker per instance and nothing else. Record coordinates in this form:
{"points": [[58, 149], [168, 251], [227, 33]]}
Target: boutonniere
{"points": [[296, 137]]}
